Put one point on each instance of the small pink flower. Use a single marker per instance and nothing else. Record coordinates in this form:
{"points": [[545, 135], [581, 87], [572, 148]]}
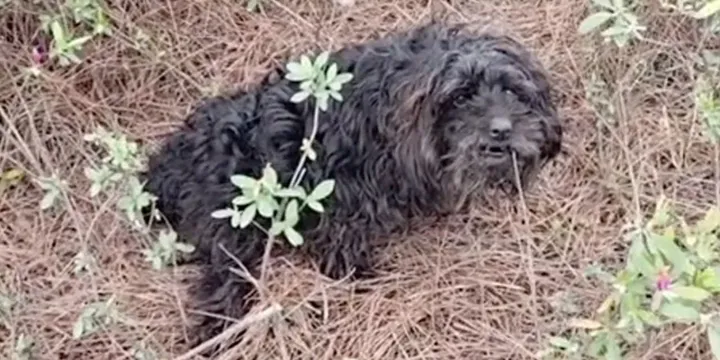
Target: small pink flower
{"points": [[39, 54], [663, 281]]}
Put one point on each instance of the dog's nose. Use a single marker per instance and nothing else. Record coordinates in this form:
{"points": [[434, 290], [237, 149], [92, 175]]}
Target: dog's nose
{"points": [[500, 128]]}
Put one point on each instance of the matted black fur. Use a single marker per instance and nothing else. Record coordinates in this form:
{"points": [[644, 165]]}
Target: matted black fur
{"points": [[428, 121]]}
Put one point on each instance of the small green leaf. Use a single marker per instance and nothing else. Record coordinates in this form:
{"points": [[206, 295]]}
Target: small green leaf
{"points": [[243, 181], [585, 324], [322, 190], [343, 78], [332, 72], [649, 318], [293, 236], [710, 222], [594, 21], [265, 206], [615, 30], [277, 228], [678, 311], [306, 65], [78, 329], [270, 178], [76, 43], [300, 96], [708, 10], [708, 279], [322, 59], [58, 33], [668, 247], [222, 213], [612, 349], [47, 201], [311, 154], [297, 192], [657, 300], [242, 200], [186, 248], [318, 207], [294, 67], [560, 342], [291, 213], [235, 219], [638, 258], [662, 213], [248, 215], [713, 334], [95, 189], [336, 95], [322, 102], [691, 293]]}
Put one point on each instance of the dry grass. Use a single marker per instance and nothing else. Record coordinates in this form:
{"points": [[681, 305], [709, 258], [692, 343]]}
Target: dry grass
{"points": [[483, 286]]}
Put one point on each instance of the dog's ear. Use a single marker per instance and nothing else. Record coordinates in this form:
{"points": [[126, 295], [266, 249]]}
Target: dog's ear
{"points": [[415, 136], [553, 137]]}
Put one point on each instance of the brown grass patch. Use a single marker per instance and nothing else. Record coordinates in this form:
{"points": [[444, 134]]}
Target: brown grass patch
{"points": [[483, 286]]}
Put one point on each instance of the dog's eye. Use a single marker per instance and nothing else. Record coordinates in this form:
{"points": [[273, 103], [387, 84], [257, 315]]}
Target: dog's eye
{"points": [[461, 99], [453, 127]]}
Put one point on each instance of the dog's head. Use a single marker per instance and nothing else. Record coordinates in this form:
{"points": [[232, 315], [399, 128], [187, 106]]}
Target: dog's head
{"points": [[489, 114]]}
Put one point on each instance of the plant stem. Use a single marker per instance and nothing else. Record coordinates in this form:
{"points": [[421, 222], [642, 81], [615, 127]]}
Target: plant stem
{"points": [[296, 177], [232, 330]]}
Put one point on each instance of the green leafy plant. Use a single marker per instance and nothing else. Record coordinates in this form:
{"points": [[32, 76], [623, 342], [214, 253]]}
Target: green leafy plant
{"points": [[95, 317], [707, 100], [621, 25], [118, 172], [671, 276], [66, 44], [266, 196], [706, 11], [84, 262], [164, 251], [54, 188]]}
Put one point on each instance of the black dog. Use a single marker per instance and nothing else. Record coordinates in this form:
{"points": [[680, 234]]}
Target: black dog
{"points": [[432, 117]]}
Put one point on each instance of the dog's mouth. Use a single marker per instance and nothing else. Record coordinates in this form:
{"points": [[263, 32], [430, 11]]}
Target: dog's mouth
{"points": [[495, 152]]}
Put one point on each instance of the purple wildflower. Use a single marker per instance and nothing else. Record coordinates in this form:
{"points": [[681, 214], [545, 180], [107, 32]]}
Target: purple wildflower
{"points": [[39, 54], [663, 281]]}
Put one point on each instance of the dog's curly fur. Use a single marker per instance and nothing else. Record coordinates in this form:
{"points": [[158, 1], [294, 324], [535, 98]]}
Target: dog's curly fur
{"points": [[430, 118]]}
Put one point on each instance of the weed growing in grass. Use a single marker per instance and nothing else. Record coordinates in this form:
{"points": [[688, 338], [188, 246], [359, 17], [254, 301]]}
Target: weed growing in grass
{"points": [[671, 275], [115, 176], [672, 270], [54, 189], [267, 197], [96, 316], [708, 11], [707, 96], [88, 15], [118, 173]]}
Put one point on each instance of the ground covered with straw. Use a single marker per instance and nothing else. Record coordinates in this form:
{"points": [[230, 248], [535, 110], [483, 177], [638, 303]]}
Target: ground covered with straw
{"points": [[495, 283]]}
